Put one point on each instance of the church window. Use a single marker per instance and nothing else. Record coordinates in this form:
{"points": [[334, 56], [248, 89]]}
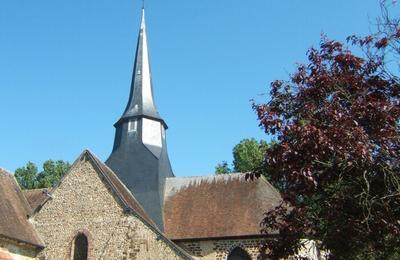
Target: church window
{"points": [[132, 126], [81, 246], [238, 254]]}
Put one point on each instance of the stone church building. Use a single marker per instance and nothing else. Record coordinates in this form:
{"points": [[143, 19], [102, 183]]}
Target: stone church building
{"points": [[132, 206]]}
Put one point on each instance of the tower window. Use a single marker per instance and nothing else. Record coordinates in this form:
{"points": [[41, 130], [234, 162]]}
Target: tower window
{"points": [[238, 254], [81, 247], [132, 126]]}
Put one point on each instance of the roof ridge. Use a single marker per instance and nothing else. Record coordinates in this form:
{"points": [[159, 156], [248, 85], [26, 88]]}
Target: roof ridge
{"points": [[209, 176], [5, 171], [37, 189]]}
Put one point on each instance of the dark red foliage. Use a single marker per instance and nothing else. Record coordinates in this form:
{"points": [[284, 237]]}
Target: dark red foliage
{"points": [[382, 43], [336, 160]]}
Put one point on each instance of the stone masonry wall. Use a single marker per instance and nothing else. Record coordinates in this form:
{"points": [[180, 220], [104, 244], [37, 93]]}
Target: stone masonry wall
{"points": [[83, 203], [15, 251], [220, 249]]}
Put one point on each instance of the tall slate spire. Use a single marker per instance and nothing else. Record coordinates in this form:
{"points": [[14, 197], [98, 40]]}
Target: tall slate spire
{"points": [[139, 155], [141, 99]]}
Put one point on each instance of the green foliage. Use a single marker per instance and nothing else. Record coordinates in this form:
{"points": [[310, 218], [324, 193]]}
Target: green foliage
{"points": [[222, 168], [248, 155], [28, 176], [52, 172]]}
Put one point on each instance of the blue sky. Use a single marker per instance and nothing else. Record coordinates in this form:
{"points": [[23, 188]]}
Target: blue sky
{"points": [[65, 70]]}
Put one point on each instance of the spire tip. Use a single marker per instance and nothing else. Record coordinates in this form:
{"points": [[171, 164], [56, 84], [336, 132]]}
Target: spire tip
{"points": [[142, 25]]}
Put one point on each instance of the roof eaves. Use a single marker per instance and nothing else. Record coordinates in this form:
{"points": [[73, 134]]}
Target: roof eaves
{"points": [[247, 236], [38, 246]]}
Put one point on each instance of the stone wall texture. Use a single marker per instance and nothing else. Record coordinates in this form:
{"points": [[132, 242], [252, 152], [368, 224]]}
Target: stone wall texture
{"points": [[83, 203], [14, 251], [220, 249]]}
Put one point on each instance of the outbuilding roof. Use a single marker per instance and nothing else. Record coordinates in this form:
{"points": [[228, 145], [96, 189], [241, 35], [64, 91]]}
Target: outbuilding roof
{"points": [[35, 197], [14, 212]]}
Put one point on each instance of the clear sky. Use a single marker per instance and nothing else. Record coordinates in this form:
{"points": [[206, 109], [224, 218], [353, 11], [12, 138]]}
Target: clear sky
{"points": [[65, 70]]}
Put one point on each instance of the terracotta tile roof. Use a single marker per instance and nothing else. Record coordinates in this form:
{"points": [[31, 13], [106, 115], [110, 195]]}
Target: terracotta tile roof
{"points": [[14, 211], [216, 206], [35, 197]]}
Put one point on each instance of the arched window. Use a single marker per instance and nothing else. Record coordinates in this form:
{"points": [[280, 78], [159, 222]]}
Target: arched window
{"points": [[238, 254], [81, 247]]}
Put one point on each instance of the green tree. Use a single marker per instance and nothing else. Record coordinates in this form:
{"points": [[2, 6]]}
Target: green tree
{"points": [[28, 176], [52, 173], [248, 155], [222, 168]]}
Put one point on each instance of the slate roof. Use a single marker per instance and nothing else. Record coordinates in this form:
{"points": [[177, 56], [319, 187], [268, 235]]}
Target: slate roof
{"points": [[35, 197], [216, 206], [141, 101], [14, 212]]}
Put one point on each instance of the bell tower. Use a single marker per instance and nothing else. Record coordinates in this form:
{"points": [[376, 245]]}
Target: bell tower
{"points": [[139, 155]]}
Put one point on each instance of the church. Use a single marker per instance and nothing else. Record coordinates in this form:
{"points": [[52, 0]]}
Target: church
{"points": [[132, 206]]}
